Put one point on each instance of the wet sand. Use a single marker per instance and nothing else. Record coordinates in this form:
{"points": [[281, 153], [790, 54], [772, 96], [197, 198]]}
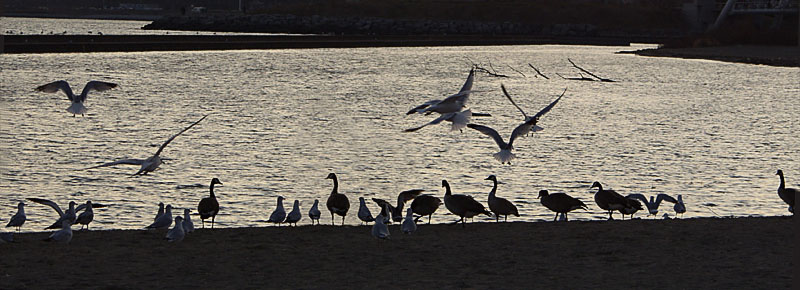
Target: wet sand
{"points": [[705, 253], [767, 55]]}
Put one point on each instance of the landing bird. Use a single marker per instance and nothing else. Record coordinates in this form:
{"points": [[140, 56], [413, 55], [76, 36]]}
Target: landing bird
{"points": [[64, 235], [654, 202], [337, 203], [19, 218], [538, 115], [188, 225], [176, 234], [679, 207], [314, 214], [409, 226], [294, 216], [69, 215], [86, 217], [459, 120], [396, 212], [77, 101], [786, 194], [560, 203], [279, 214], [426, 205], [150, 164], [451, 104], [164, 221], [208, 206], [463, 206], [610, 200], [500, 206], [363, 211]]}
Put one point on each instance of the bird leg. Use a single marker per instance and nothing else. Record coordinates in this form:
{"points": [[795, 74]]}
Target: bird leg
{"points": [[343, 220]]}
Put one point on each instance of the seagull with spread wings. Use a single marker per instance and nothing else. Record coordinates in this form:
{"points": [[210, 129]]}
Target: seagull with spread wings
{"points": [[150, 164], [77, 101], [451, 108], [541, 113]]}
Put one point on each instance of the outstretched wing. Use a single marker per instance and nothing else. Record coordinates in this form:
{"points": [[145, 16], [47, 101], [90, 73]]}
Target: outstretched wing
{"points": [[49, 203], [94, 205], [55, 86], [491, 133], [421, 108], [639, 196], [661, 196], [95, 86], [468, 83], [123, 161], [176, 135], [550, 106], [503, 87], [434, 122], [409, 195]]}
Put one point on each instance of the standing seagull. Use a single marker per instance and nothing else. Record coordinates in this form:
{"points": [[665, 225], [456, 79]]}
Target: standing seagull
{"points": [[500, 206], [560, 203], [164, 221], [409, 226], [69, 215], [541, 113], [786, 194], [337, 203], [160, 211], [294, 216], [209, 207], [379, 229], [679, 207], [654, 202], [279, 214], [150, 164], [314, 213], [177, 233], [463, 206], [363, 211], [19, 218], [77, 101], [188, 225], [64, 235], [87, 216]]}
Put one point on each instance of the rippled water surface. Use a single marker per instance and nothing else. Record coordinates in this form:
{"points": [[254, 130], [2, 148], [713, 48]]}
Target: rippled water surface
{"points": [[281, 120]]}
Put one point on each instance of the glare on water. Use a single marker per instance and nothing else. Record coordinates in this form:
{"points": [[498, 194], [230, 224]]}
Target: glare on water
{"points": [[281, 120]]}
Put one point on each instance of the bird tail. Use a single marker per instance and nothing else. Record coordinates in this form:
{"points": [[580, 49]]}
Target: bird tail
{"points": [[460, 120], [77, 108], [504, 156]]}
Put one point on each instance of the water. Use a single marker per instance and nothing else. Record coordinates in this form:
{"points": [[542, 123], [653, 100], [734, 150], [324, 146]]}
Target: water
{"points": [[281, 120], [37, 26]]}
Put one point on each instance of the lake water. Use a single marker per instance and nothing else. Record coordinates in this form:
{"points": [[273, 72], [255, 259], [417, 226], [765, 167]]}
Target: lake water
{"points": [[281, 120]]}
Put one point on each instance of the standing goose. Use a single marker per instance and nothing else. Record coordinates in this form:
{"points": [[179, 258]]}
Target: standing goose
{"points": [[176, 234], [77, 101], [164, 221], [151, 163], [337, 203], [560, 203], [69, 215], [188, 225], [279, 214], [609, 200], [19, 218], [679, 207], [314, 214], [538, 115], [64, 235], [786, 194], [294, 216], [500, 206], [86, 217], [363, 211], [654, 202], [409, 226], [209, 207], [631, 208], [463, 206], [426, 205]]}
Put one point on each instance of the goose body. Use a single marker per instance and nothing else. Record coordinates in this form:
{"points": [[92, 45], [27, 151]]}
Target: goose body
{"points": [[279, 214], [76, 106], [151, 163], [64, 235], [788, 195], [177, 233], [337, 203], [654, 202], [19, 218], [609, 200], [632, 207], [500, 206], [363, 211], [209, 206], [463, 206], [314, 214], [188, 225], [409, 226], [164, 221], [426, 205], [294, 216], [86, 217], [560, 203]]}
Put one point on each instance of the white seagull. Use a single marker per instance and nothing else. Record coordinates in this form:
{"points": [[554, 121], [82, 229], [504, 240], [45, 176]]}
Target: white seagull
{"points": [[176, 234], [379, 229], [314, 213], [163, 221], [294, 216], [679, 207], [452, 104], [64, 235], [77, 101], [19, 218], [188, 225], [279, 214], [654, 202], [363, 211], [150, 164], [459, 120], [409, 226], [538, 115]]}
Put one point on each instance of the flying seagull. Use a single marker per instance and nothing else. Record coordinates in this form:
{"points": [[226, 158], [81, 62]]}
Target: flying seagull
{"points": [[538, 115], [150, 164], [77, 101]]}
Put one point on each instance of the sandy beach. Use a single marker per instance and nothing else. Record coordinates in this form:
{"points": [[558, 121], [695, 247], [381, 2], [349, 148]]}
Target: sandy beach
{"points": [[706, 253]]}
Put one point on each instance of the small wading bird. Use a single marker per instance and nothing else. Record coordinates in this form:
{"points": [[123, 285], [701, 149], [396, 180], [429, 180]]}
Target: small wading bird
{"points": [[208, 206], [77, 101], [150, 164]]}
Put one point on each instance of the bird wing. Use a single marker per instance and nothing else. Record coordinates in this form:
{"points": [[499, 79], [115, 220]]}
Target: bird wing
{"points": [[49, 203], [468, 83], [55, 86], [491, 133], [97, 86], [549, 107], [459, 98], [176, 135], [641, 197], [123, 161], [661, 196], [503, 87], [94, 205], [522, 129], [434, 122], [420, 108], [409, 194]]}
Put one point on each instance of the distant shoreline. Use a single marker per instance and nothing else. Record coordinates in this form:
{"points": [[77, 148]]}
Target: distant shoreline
{"points": [[136, 17], [787, 56]]}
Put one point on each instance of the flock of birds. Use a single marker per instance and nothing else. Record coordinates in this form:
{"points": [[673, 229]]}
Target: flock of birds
{"points": [[452, 109]]}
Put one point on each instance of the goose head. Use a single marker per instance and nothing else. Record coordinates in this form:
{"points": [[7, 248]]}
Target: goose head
{"points": [[491, 177], [331, 176], [215, 181], [780, 172], [596, 184], [445, 184], [543, 193]]}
